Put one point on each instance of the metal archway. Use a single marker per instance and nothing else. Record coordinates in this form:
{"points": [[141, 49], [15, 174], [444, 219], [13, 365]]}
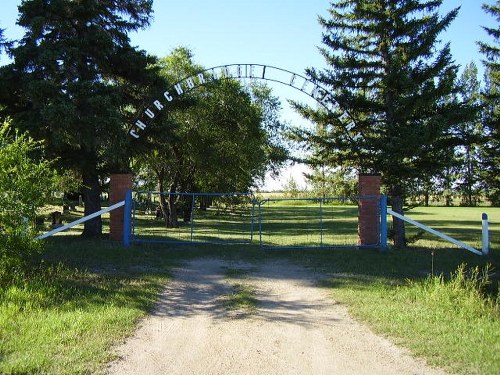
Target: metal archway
{"points": [[238, 71]]}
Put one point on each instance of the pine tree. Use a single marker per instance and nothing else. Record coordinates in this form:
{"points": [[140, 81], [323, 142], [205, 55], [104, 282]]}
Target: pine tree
{"points": [[490, 152], [492, 52], [72, 81], [2, 40], [389, 85]]}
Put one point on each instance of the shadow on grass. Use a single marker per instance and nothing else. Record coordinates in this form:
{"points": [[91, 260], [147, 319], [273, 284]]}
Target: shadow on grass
{"points": [[94, 270]]}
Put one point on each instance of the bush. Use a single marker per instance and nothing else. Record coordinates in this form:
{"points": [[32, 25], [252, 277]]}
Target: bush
{"points": [[25, 180], [18, 252]]}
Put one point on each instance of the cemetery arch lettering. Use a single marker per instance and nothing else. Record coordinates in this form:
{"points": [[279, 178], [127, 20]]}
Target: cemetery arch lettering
{"points": [[235, 71]]}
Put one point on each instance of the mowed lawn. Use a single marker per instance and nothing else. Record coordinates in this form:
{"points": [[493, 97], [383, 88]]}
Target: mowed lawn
{"points": [[88, 294]]}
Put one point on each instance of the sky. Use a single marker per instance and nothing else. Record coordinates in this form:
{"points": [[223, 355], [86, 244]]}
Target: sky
{"points": [[281, 33]]}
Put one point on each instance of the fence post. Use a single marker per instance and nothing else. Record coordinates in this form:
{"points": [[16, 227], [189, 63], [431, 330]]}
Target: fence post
{"points": [[193, 212], [118, 187], [368, 210], [321, 221], [486, 240], [127, 218], [252, 222], [260, 224], [383, 222]]}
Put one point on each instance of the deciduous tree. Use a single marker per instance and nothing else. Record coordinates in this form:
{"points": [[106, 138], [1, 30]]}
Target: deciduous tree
{"points": [[25, 179], [216, 138]]}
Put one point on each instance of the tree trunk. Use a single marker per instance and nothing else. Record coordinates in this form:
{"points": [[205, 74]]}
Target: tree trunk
{"points": [[187, 209], [163, 201], [92, 203], [164, 209], [397, 202], [172, 207]]}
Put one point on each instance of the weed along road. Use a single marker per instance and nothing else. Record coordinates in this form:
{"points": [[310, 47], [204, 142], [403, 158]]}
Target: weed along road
{"points": [[271, 317]]}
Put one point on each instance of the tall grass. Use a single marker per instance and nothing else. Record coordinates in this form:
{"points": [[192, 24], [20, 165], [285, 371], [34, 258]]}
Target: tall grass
{"points": [[453, 322], [63, 320]]}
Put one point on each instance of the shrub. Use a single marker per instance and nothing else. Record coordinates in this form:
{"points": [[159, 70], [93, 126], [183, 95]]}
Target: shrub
{"points": [[25, 180]]}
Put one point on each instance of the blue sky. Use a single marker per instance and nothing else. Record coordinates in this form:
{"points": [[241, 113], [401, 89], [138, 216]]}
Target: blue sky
{"points": [[283, 33]]}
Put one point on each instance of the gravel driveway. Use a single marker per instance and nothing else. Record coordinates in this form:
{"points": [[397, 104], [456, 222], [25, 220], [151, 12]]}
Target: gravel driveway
{"points": [[297, 328]]}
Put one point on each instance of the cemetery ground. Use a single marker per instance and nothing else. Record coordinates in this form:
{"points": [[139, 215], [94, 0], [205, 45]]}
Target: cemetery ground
{"points": [[88, 296]]}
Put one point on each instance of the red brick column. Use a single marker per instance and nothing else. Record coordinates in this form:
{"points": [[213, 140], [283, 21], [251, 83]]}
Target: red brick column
{"points": [[118, 186], [368, 215]]}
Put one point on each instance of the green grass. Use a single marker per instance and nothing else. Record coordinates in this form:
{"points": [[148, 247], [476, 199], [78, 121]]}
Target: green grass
{"points": [[450, 323], [88, 295], [238, 273], [73, 336], [65, 318], [241, 298]]}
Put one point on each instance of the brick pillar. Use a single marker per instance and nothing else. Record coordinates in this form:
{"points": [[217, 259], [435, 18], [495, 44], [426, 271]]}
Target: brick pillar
{"points": [[118, 186], [368, 210]]}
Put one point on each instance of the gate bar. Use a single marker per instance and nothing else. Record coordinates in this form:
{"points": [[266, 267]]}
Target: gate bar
{"points": [[81, 220], [433, 231]]}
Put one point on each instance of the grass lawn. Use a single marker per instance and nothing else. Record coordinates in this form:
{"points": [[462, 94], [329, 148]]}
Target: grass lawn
{"points": [[89, 295]]}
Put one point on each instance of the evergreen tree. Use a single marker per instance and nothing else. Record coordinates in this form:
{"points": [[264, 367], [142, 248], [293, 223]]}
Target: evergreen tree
{"points": [[72, 81], [490, 152], [492, 52], [388, 86], [2, 41]]}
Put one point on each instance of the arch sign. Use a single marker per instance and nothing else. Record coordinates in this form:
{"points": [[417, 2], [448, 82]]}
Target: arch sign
{"points": [[239, 71]]}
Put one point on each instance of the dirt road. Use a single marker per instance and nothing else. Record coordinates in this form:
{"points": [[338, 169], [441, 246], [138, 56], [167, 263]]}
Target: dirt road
{"points": [[297, 328]]}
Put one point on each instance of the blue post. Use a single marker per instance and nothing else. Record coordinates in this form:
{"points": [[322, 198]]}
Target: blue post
{"points": [[127, 218], [252, 222], [383, 222], [485, 234], [193, 210], [260, 223], [321, 223]]}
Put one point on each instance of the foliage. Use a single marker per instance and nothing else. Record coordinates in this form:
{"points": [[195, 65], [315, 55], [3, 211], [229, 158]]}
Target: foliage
{"points": [[73, 84], [219, 137], [25, 179], [291, 188], [389, 88], [3, 42], [276, 147], [490, 152], [327, 182], [492, 52]]}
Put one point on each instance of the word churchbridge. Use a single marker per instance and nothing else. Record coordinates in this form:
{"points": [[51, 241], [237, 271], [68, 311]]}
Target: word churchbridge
{"points": [[236, 71]]}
